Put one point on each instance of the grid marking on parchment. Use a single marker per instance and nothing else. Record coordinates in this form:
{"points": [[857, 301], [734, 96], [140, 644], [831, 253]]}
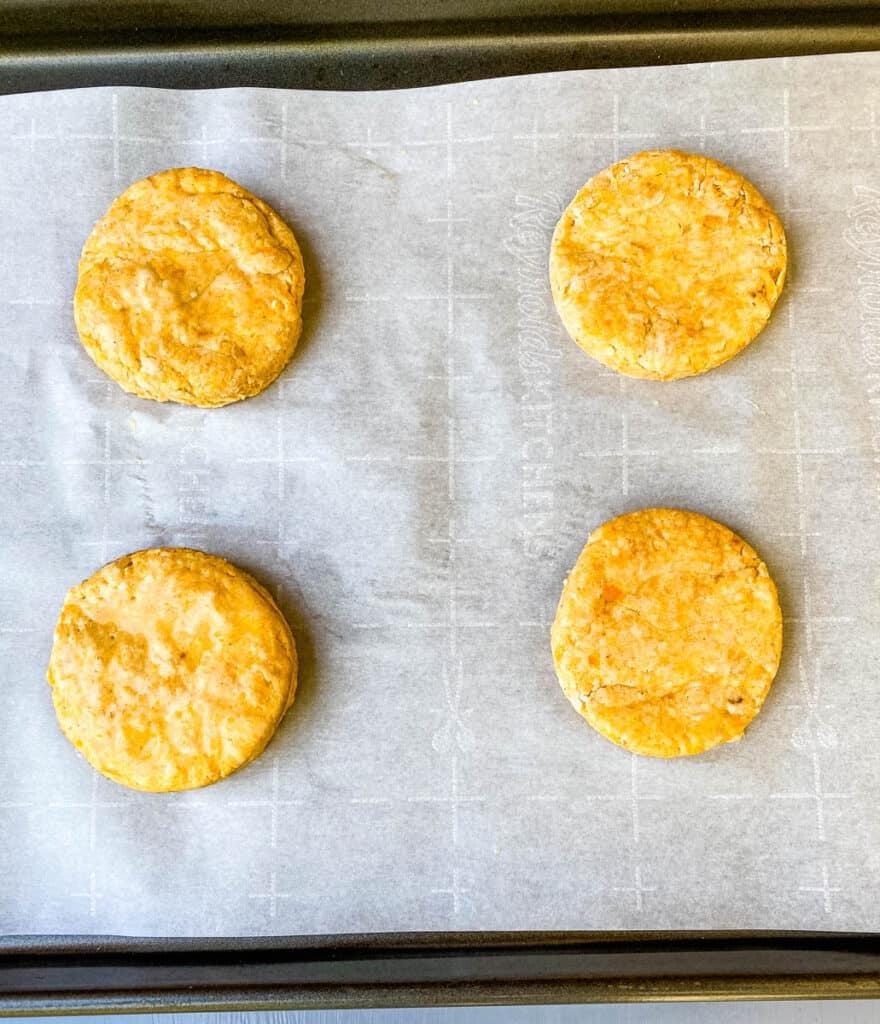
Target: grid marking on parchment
{"points": [[283, 460], [280, 459], [274, 804], [273, 895], [453, 696], [799, 452], [192, 468], [703, 133], [424, 297], [92, 806], [638, 888], [872, 127], [785, 129], [103, 546], [42, 463], [826, 889], [617, 135], [103, 542], [116, 136], [454, 733], [281, 140], [370, 143], [31, 136], [625, 452], [367, 143], [614, 135]]}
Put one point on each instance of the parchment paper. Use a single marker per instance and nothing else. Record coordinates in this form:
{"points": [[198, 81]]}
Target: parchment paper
{"points": [[415, 489]]}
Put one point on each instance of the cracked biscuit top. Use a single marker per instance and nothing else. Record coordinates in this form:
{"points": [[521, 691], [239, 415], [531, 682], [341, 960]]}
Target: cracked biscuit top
{"points": [[668, 633], [190, 290], [170, 668], [666, 265]]}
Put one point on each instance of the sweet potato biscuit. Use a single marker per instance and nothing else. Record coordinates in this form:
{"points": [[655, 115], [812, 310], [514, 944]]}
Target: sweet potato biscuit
{"points": [[666, 265], [190, 290], [170, 669], [668, 634]]}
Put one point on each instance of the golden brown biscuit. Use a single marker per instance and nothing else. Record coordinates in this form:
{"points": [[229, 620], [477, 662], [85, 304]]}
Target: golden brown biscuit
{"points": [[666, 265], [668, 634], [170, 669], [190, 290]]}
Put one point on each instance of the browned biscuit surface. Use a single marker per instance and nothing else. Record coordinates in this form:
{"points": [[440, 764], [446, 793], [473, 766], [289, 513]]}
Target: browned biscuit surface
{"points": [[666, 265], [170, 669], [190, 290], [668, 633]]}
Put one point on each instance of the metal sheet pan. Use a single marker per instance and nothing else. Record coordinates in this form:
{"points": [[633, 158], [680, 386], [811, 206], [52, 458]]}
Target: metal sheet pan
{"points": [[216, 43], [60, 975]]}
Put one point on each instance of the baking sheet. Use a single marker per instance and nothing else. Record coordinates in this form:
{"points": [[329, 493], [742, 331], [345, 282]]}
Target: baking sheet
{"points": [[416, 487]]}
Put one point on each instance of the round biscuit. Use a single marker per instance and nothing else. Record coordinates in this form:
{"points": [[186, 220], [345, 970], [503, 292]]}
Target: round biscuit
{"points": [[190, 290], [170, 669], [666, 265], [668, 634]]}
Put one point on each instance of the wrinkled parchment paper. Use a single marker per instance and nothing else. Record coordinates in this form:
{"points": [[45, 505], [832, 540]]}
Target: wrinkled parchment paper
{"points": [[416, 487]]}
